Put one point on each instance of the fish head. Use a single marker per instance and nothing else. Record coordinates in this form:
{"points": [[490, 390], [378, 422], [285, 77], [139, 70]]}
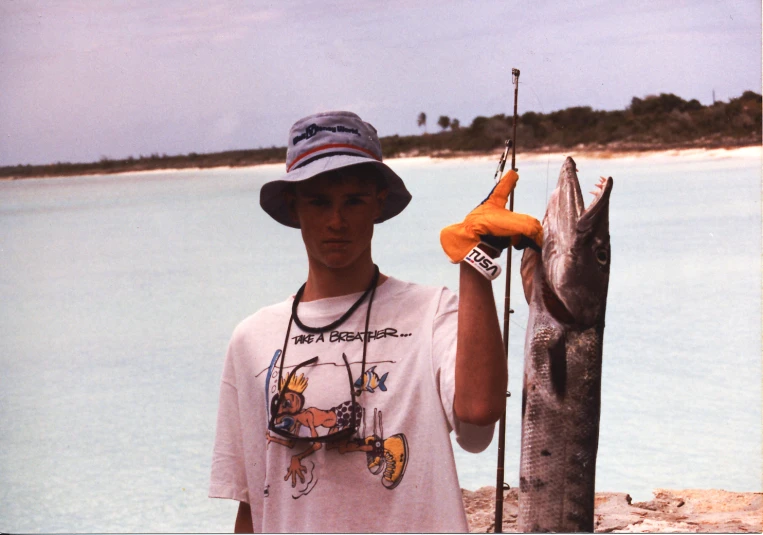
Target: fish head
{"points": [[576, 249]]}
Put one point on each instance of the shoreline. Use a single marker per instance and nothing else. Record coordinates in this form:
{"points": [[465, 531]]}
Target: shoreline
{"points": [[749, 151], [670, 511], [597, 152]]}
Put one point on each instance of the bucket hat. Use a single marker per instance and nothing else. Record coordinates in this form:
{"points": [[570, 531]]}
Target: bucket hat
{"points": [[326, 142]]}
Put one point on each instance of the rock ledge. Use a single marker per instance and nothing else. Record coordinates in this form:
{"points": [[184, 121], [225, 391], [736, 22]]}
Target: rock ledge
{"points": [[671, 511]]}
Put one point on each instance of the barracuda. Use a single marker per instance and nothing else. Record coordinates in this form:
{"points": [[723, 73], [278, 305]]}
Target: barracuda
{"points": [[566, 288]]}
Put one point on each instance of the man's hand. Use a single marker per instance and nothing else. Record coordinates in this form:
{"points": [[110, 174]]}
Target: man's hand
{"points": [[295, 469], [491, 223], [289, 443]]}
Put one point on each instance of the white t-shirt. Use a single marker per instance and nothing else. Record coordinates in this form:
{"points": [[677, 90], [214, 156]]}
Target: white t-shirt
{"points": [[399, 474]]}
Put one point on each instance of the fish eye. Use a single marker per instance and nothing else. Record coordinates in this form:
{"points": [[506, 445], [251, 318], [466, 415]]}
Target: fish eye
{"points": [[602, 256]]}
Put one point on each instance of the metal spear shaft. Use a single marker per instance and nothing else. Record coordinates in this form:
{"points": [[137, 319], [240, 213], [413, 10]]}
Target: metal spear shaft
{"points": [[499, 479]]}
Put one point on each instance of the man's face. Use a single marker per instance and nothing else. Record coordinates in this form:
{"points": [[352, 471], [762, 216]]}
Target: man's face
{"points": [[336, 216]]}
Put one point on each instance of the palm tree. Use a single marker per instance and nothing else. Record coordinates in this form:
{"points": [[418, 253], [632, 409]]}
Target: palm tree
{"points": [[422, 121]]}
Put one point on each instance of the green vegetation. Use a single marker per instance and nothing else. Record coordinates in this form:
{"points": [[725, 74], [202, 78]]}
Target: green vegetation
{"points": [[421, 121], [234, 158], [652, 123]]}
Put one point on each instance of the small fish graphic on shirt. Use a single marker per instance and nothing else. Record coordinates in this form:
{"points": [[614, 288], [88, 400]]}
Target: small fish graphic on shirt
{"points": [[370, 381]]}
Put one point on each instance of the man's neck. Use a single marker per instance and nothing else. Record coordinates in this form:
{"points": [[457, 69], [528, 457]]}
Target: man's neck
{"points": [[323, 282]]}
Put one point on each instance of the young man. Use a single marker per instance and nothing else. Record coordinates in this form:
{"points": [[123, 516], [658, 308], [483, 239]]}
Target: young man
{"points": [[336, 405]]}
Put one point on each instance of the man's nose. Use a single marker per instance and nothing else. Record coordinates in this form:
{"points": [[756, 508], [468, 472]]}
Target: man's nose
{"points": [[336, 219]]}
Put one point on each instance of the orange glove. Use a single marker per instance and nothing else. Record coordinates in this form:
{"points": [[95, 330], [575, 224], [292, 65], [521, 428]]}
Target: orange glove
{"points": [[492, 224]]}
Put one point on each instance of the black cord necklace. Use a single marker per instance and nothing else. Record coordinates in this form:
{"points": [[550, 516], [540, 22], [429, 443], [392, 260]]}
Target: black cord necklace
{"points": [[316, 330], [337, 323]]}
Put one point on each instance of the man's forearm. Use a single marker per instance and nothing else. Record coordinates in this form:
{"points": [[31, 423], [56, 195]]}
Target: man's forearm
{"points": [[481, 372], [243, 519]]}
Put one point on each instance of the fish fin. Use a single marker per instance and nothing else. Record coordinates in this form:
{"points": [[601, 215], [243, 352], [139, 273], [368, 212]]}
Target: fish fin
{"points": [[381, 382], [530, 259], [557, 355]]}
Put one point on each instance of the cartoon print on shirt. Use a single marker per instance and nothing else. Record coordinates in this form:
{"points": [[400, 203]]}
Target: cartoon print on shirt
{"points": [[390, 455], [386, 456], [371, 381]]}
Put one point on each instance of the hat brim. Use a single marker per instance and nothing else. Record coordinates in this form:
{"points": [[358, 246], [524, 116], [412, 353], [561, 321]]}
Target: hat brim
{"points": [[273, 201]]}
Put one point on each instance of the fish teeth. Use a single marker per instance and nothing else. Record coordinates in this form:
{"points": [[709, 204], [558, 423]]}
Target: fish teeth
{"points": [[600, 187]]}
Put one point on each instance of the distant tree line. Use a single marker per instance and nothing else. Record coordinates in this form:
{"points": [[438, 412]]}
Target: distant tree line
{"points": [[652, 123], [234, 158]]}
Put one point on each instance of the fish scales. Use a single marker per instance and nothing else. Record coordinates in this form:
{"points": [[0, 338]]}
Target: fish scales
{"points": [[566, 288]]}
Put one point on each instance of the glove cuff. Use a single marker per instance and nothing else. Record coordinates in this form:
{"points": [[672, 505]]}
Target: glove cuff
{"points": [[482, 262], [489, 249]]}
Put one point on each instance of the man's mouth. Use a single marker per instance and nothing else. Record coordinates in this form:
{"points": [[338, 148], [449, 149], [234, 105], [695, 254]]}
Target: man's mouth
{"points": [[336, 243]]}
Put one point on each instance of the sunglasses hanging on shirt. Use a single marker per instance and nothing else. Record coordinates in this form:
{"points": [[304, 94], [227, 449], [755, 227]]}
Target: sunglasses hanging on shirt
{"points": [[284, 424]]}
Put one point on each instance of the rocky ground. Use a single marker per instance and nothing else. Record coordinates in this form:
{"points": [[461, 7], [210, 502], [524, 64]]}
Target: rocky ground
{"points": [[671, 511]]}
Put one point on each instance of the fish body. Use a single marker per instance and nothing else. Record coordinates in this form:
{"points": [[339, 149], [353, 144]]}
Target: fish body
{"points": [[566, 289], [371, 381]]}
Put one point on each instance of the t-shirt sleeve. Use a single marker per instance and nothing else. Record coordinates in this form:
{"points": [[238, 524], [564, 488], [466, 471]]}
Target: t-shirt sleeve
{"points": [[470, 437], [228, 479]]}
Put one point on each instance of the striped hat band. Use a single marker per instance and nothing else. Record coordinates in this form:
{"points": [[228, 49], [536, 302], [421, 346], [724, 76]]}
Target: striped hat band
{"points": [[330, 149]]}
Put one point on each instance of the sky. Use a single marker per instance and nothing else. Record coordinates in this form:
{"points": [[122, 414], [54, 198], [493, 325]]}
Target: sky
{"points": [[84, 80]]}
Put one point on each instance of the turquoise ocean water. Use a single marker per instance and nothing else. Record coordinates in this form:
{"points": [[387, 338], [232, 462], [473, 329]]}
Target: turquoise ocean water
{"points": [[119, 294]]}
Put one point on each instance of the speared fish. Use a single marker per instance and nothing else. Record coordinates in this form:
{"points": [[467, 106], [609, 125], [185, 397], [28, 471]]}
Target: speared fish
{"points": [[566, 288]]}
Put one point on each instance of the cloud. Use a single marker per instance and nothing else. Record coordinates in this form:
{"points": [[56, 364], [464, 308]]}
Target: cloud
{"points": [[209, 23], [210, 75]]}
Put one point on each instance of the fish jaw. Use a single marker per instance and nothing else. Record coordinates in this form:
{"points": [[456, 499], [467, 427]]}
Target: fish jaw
{"points": [[559, 224], [569, 202], [576, 250]]}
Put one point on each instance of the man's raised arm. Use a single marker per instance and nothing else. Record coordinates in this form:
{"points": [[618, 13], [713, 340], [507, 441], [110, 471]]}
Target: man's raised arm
{"points": [[481, 368]]}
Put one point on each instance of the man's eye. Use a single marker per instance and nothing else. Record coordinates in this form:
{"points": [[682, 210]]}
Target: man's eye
{"points": [[318, 202], [355, 201]]}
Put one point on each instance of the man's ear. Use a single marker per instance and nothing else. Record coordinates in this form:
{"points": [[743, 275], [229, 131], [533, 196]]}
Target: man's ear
{"points": [[381, 198], [290, 199]]}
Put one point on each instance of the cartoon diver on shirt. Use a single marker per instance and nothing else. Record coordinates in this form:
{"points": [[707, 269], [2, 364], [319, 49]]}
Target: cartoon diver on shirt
{"points": [[389, 455]]}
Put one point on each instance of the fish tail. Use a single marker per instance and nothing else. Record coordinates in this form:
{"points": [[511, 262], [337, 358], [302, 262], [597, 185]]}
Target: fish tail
{"points": [[381, 382]]}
